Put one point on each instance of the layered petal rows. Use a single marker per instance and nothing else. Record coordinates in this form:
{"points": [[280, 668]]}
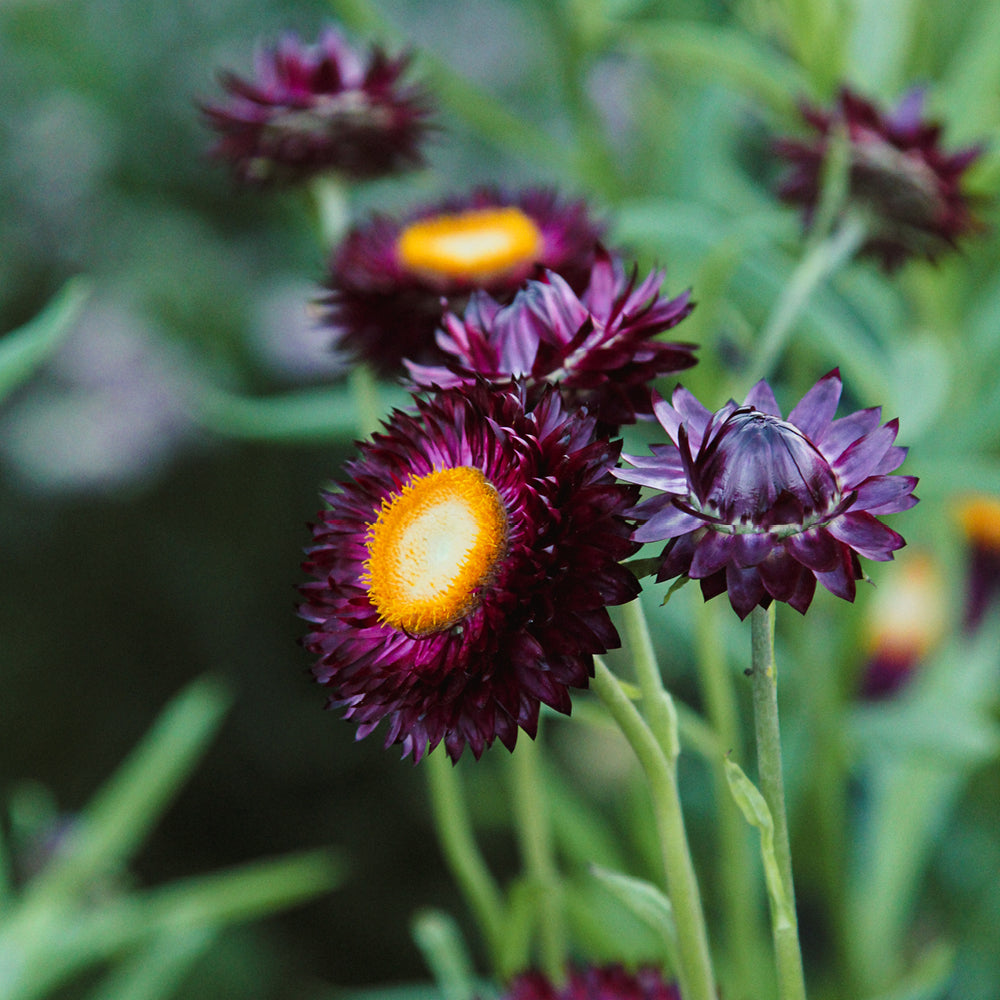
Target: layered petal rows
{"points": [[761, 507]]}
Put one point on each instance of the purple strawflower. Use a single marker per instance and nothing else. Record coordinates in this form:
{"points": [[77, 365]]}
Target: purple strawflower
{"points": [[320, 108], [906, 188], [594, 982], [598, 346], [761, 507], [392, 280], [462, 573]]}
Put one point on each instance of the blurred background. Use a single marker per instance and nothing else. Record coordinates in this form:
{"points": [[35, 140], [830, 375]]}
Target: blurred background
{"points": [[144, 542]]}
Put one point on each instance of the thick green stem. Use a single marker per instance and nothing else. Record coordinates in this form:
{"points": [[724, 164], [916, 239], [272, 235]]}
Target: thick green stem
{"points": [[454, 829], [788, 954], [697, 979], [535, 836], [744, 933], [819, 262]]}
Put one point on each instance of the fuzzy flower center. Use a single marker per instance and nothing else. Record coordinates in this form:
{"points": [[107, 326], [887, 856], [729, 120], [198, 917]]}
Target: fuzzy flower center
{"points": [[473, 246], [432, 547]]}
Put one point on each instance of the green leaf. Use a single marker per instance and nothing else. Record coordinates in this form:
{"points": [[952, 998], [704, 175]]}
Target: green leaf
{"points": [[156, 971], [23, 350], [646, 901], [720, 53], [440, 942], [328, 414], [756, 812], [116, 821]]}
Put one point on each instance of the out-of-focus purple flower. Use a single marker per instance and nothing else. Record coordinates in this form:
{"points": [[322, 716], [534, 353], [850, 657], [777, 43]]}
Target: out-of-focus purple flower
{"points": [[461, 575], [760, 507], [392, 280], [110, 410], [594, 982], [979, 518], [905, 186], [598, 347], [320, 108]]}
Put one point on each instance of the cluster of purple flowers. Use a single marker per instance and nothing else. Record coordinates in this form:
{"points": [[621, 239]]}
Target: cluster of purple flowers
{"points": [[462, 571]]}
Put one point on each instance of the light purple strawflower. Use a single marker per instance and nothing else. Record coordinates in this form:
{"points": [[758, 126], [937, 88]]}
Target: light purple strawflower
{"points": [[906, 187], [598, 346], [462, 573], [762, 507], [317, 108]]}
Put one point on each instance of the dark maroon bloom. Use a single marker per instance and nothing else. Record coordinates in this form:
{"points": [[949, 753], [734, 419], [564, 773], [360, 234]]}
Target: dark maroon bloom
{"points": [[598, 347], [317, 108], [762, 507], [902, 183], [392, 280], [463, 571], [979, 517], [608, 982], [906, 619]]}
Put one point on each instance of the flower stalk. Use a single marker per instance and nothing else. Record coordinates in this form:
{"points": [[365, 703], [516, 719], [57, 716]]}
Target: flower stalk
{"points": [[458, 844], [764, 677], [695, 974]]}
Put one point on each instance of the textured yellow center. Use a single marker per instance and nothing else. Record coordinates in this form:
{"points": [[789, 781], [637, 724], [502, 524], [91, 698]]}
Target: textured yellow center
{"points": [[979, 517], [432, 547], [470, 246]]}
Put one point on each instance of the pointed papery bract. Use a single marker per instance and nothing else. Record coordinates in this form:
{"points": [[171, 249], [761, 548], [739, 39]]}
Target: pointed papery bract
{"points": [[313, 109], [903, 184], [751, 505], [463, 570], [594, 982], [601, 347]]}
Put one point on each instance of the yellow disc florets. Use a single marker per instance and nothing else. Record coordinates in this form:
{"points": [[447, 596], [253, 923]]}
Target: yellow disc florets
{"points": [[475, 246], [432, 547]]}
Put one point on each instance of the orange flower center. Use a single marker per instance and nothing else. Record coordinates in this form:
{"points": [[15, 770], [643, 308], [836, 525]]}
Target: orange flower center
{"points": [[473, 246], [979, 517], [432, 547]]}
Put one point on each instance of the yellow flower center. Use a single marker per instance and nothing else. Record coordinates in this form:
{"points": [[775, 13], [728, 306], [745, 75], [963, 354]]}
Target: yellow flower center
{"points": [[473, 246], [432, 547], [979, 517]]}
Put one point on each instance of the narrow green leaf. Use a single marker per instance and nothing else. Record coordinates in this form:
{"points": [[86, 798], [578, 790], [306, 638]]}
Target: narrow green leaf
{"points": [[118, 818], [756, 812], [644, 899], [444, 950], [156, 971], [328, 414], [24, 349]]}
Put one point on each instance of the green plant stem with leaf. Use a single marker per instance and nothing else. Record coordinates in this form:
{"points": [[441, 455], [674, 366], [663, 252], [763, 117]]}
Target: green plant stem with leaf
{"points": [[696, 975], [764, 679]]}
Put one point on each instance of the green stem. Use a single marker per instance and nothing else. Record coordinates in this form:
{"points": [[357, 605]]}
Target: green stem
{"points": [[743, 931], [333, 216], [820, 261], [535, 836], [454, 829], [764, 676], [697, 980], [364, 389]]}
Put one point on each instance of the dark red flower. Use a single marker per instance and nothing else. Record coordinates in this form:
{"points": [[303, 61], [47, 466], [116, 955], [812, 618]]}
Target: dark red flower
{"points": [[906, 188], [598, 347], [317, 108], [462, 573], [589, 982], [392, 280], [979, 517], [761, 507]]}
